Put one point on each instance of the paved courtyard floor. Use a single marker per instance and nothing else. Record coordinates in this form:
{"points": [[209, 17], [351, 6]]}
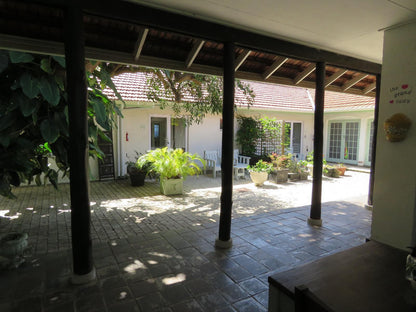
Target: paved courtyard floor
{"points": [[156, 253]]}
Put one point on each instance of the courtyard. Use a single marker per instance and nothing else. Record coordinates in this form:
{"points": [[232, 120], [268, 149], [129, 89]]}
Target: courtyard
{"points": [[156, 253]]}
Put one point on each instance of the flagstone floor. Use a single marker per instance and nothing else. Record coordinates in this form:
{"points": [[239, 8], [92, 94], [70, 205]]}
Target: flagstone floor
{"points": [[156, 253]]}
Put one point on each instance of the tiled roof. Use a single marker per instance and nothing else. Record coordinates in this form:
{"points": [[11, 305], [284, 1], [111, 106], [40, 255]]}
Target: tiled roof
{"points": [[133, 88], [336, 101], [277, 97]]}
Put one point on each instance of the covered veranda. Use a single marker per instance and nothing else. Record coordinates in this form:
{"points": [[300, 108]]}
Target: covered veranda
{"points": [[155, 253], [24, 30]]}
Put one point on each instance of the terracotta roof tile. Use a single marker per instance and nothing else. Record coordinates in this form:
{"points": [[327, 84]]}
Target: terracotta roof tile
{"points": [[336, 101], [133, 88]]}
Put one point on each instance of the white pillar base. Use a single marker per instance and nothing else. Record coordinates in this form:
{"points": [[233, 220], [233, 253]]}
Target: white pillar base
{"points": [[85, 278], [223, 244], [315, 222]]}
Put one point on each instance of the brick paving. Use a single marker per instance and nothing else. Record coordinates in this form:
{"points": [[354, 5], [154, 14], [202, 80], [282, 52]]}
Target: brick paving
{"points": [[156, 253]]}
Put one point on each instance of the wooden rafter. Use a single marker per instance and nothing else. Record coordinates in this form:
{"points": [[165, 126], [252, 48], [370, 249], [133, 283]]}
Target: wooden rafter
{"points": [[241, 59], [9, 42], [279, 61], [196, 47], [140, 43], [353, 81], [335, 76], [305, 73], [370, 88]]}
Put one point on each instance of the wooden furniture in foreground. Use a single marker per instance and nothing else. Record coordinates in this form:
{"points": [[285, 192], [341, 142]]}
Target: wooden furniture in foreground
{"points": [[370, 277]]}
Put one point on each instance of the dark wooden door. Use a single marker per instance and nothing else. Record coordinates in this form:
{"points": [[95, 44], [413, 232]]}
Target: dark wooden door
{"points": [[106, 165]]}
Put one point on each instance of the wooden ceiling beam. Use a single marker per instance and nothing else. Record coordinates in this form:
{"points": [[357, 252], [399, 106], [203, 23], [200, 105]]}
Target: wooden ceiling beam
{"points": [[196, 47], [241, 59], [370, 88], [160, 19], [279, 61], [335, 76], [305, 73], [16, 43], [353, 81], [140, 43]]}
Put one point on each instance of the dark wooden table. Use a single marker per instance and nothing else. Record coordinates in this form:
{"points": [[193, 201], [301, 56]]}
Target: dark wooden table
{"points": [[370, 277]]}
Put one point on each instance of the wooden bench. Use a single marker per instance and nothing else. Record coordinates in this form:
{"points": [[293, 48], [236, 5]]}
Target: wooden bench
{"points": [[370, 277]]}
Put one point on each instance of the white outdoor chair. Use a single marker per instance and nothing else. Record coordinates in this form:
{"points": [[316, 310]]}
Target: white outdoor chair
{"points": [[240, 165], [212, 162]]}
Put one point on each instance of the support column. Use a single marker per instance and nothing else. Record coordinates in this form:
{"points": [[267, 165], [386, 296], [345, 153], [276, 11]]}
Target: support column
{"points": [[374, 144], [315, 214], [224, 238], [78, 146]]}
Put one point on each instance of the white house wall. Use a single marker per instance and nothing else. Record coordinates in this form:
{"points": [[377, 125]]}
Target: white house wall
{"points": [[208, 136], [363, 118]]}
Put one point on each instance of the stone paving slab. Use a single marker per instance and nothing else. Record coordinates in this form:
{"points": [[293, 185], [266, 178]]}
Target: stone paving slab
{"points": [[156, 253]]}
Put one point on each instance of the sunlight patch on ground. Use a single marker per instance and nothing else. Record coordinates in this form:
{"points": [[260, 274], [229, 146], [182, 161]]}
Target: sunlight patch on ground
{"points": [[174, 279], [133, 267], [159, 254], [3, 214]]}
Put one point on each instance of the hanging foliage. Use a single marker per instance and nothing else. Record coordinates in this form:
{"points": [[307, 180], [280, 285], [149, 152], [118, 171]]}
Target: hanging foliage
{"points": [[34, 116], [191, 94], [248, 134]]}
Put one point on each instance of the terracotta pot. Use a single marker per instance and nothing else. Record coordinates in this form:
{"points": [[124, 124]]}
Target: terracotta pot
{"points": [[341, 170]]}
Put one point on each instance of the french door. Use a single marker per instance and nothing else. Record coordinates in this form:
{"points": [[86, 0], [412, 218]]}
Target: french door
{"points": [[343, 142]]}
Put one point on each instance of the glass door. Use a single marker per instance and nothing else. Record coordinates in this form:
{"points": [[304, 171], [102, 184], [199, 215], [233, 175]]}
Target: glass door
{"points": [[159, 135], [178, 133], [370, 136], [343, 141]]}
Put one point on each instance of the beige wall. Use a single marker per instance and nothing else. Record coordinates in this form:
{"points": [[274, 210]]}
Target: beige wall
{"points": [[395, 177]]}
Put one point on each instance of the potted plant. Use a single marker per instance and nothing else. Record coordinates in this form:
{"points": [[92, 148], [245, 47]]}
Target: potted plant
{"points": [[341, 169], [137, 171], [331, 171], [173, 166], [280, 171], [259, 172]]}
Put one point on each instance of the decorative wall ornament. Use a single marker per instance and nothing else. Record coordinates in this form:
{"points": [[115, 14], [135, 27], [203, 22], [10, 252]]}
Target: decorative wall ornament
{"points": [[396, 127]]}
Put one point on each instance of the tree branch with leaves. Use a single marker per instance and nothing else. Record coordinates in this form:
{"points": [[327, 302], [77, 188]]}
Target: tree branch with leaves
{"points": [[192, 95]]}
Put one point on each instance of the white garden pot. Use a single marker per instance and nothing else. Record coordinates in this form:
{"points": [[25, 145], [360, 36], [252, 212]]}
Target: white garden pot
{"points": [[258, 177], [171, 186]]}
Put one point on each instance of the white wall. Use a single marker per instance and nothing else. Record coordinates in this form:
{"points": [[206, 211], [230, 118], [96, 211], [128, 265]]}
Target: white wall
{"points": [[395, 175], [363, 118], [206, 135]]}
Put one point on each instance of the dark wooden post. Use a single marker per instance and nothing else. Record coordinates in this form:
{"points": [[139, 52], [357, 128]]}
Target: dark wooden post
{"points": [[78, 146], [374, 143], [224, 238], [315, 214]]}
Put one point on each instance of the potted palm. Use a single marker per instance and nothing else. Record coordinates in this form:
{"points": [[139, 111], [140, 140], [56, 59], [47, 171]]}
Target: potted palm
{"points": [[259, 172], [172, 166]]}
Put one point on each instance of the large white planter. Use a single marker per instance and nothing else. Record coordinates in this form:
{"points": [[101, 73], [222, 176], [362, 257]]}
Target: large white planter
{"points": [[258, 177], [171, 186]]}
